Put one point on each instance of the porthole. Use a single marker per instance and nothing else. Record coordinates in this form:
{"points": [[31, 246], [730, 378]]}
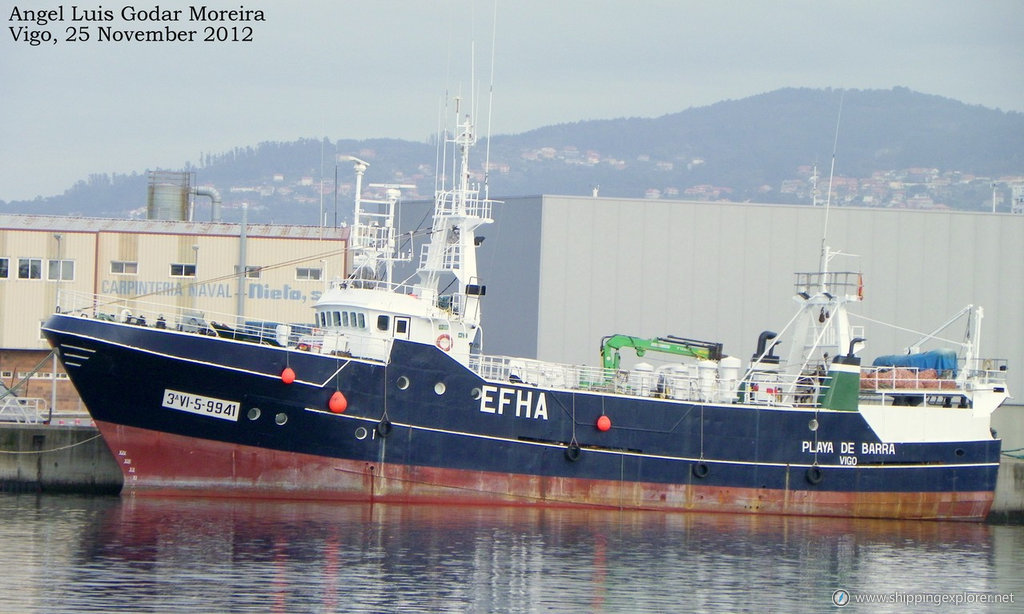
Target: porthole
{"points": [[361, 433], [959, 452], [402, 383], [254, 413], [812, 425], [475, 394], [439, 388], [281, 418]]}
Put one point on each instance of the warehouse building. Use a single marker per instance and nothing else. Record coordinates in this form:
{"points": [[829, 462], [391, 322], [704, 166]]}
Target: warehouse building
{"points": [[49, 262], [564, 271]]}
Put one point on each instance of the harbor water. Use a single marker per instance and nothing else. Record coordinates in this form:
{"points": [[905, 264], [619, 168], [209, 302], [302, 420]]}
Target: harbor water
{"points": [[70, 553]]}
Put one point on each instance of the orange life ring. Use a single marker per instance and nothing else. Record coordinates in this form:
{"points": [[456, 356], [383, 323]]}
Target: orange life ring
{"points": [[444, 342]]}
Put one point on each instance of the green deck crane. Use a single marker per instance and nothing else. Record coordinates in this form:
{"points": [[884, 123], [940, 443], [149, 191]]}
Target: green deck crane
{"points": [[610, 345]]}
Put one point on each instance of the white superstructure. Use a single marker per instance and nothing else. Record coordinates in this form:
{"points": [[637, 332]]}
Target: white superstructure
{"points": [[359, 316]]}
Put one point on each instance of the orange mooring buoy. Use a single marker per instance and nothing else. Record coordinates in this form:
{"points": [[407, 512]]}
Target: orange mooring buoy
{"points": [[338, 402], [288, 375], [604, 423]]}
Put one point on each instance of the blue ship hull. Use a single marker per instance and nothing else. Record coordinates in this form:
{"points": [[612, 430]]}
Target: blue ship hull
{"points": [[188, 414]]}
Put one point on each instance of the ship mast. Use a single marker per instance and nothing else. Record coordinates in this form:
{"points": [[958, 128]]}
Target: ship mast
{"points": [[373, 241], [453, 242]]}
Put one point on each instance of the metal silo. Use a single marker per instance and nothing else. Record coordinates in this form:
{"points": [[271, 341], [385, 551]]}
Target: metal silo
{"points": [[168, 195]]}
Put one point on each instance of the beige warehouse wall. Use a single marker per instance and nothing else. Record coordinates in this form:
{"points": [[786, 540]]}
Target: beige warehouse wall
{"points": [[277, 294], [25, 303]]}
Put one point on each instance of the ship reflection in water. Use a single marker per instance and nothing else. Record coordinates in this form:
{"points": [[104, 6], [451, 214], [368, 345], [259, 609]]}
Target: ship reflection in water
{"points": [[140, 555]]}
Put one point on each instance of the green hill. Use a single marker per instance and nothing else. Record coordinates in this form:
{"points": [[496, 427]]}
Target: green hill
{"points": [[758, 148]]}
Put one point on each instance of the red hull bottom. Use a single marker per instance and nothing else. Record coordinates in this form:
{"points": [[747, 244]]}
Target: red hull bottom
{"points": [[162, 464]]}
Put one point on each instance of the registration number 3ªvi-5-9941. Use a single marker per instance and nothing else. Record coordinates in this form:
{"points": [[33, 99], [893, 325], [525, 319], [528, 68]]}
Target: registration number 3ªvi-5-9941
{"points": [[197, 404]]}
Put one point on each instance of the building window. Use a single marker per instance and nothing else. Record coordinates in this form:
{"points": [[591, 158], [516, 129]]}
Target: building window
{"points": [[30, 268], [61, 270], [308, 273], [5, 265], [120, 267], [183, 270], [251, 271]]}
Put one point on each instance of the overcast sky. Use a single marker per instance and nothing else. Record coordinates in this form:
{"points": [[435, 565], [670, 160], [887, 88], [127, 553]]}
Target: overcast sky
{"points": [[347, 69]]}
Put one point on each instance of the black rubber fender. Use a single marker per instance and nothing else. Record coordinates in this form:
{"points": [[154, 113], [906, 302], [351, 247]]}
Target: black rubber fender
{"points": [[815, 475]]}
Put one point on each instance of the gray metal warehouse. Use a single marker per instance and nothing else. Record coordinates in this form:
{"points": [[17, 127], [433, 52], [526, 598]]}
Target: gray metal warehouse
{"points": [[564, 271]]}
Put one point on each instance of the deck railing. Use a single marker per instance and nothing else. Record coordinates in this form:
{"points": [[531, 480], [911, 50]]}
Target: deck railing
{"points": [[675, 382], [140, 312], [985, 371]]}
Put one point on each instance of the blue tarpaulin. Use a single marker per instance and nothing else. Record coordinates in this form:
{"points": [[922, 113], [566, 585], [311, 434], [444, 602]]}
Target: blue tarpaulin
{"points": [[940, 360]]}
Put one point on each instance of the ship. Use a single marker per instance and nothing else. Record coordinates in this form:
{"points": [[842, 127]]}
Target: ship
{"points": [[387, 396]]}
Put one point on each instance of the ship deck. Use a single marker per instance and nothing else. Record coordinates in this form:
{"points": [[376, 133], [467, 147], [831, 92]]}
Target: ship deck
{"points": [[679, 381]]}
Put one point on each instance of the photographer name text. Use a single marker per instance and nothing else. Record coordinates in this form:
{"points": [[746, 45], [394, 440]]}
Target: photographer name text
{"points": [[78, 24]]}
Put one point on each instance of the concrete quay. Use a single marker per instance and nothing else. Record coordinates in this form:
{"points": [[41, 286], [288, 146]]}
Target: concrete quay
{"points": [[66, 456], [1008, 508]]}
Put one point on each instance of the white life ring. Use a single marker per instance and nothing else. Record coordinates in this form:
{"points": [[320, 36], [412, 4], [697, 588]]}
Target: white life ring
{"points": [[444, 342]]}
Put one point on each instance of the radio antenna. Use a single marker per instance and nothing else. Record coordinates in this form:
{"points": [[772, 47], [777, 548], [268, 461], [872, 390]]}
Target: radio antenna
{"points": [[490, 104], [831, 175]]}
